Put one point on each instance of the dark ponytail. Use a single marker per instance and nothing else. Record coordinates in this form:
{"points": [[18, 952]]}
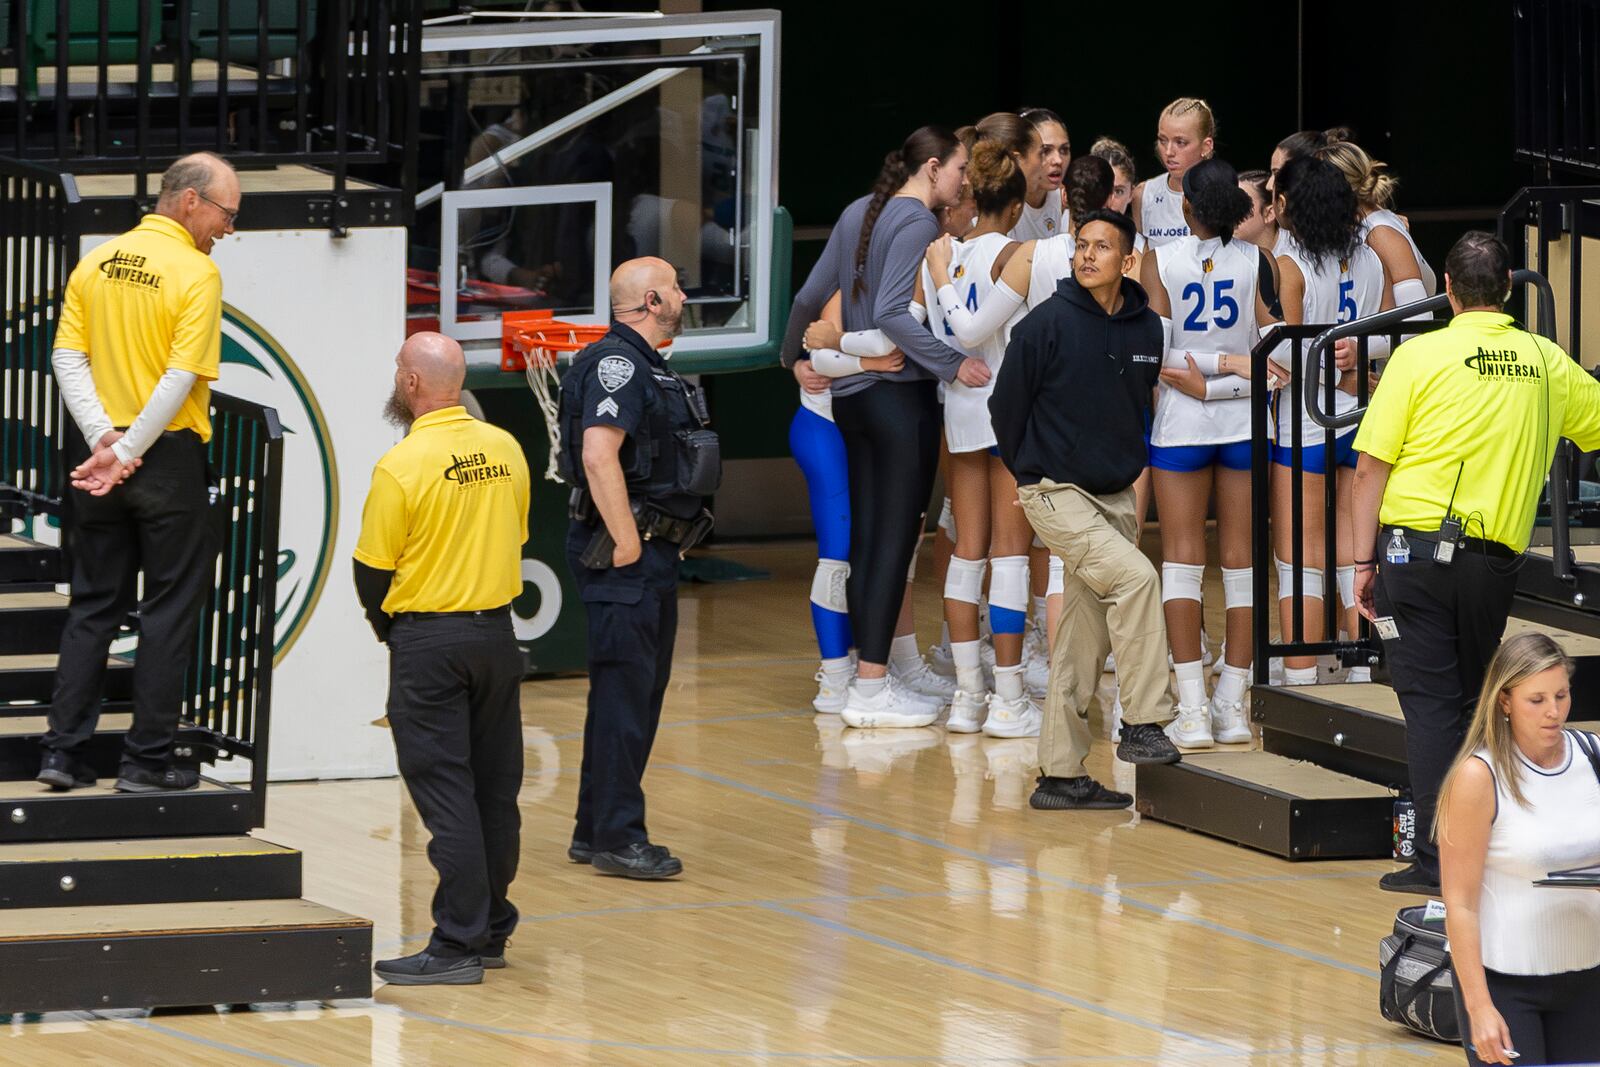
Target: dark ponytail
{"points": [[1089, 183], [1211, 188], [1319, 208], [928, 142]]}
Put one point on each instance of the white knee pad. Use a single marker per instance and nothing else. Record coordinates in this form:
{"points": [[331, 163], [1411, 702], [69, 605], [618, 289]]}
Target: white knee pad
{"points": [[1058, 577], [1310, 581], [947, 520], [964, 580], [1008, 583], [1346, 577], [1182, 581], [828, 585], [1237, 587]]}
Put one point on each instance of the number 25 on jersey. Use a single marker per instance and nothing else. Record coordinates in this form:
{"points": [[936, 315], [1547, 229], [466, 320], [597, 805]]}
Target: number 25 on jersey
{"points": [[1225, 309]]}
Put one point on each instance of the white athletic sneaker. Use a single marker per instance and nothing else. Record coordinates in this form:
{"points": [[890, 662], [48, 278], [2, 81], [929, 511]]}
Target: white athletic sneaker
{"points": [[1035, 663], [967, 712], [1229, 724], [940, 661], [831, 690], [1221, 661], [1205, 650], [892, 706], [1359, 674], [1116, 719], [921, 679], [1190, 729], [1012, 718], [1111, 662]]}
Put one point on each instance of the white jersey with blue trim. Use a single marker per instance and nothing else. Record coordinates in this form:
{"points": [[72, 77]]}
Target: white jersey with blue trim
{"points": [[1336, 291], [1161, 213], [1052, 261], [967, 427], [1384, 217], [1212, 290], [1046, 220]]}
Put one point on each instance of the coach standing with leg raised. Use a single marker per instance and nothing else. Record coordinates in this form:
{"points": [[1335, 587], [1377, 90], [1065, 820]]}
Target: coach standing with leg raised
{"points": [[1455, 445], [635, 447], [138, 345]]}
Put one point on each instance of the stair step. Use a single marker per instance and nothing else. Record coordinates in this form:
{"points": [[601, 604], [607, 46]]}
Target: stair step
{"points": [[1537, 580], [31, 621], [32, 676], [1352, 728], [33, 812], [178, 955], [145, 871], [1295, 810], [20, 735], [23, 559]]}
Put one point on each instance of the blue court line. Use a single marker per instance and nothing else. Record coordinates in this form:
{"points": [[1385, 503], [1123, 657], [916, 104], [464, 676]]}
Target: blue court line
{"points": [[949, 963], [993, 861], [217, 1046]]}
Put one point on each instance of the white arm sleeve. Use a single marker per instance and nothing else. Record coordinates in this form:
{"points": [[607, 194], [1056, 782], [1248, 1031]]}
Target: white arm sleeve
{"points": [[834, 364], [1227, 387], [972, 328], [918, 312], [1408, 292], [77, 389], [865, 343], [1208, 362], [165, 400]]}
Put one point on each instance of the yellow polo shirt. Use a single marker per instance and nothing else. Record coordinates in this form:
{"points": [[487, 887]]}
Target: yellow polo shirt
{"points": [[139, 305], [448, 513], [1485, 400]]}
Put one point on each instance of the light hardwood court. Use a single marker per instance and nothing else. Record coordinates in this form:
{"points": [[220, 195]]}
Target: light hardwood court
{"points": [[850, 897]]}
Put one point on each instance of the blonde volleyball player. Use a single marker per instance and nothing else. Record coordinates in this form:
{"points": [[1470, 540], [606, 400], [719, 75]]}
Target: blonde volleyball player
{"points": [[1207, 288], [1185, 134], [988, 524], [1044, 211], [1329, 275], [1385, 232]]}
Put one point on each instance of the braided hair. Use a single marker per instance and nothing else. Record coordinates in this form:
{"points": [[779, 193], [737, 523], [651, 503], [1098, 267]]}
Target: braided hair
{"points": [[1089, 183], [925, 143]]}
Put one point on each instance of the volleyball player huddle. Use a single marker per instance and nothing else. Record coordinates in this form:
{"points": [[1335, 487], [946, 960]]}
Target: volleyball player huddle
{"points": [[905, 321]]}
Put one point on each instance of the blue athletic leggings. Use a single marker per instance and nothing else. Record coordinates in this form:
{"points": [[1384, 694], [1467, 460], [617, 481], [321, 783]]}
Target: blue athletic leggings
{"points": [[819, 449]]}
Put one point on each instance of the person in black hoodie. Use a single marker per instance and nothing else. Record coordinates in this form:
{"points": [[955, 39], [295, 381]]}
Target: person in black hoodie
{"points": [[1069, 406]]}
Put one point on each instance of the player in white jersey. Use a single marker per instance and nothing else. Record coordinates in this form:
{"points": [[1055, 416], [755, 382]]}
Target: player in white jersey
{"points": [[1328, 276], [1044, 209], [1302, 143], [1384, 231], [1261, 229], [1185, 134], [989, 527], [1207, 289]]}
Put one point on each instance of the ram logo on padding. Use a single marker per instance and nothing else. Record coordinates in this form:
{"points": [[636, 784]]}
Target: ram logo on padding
{"points": [[615, 372]]}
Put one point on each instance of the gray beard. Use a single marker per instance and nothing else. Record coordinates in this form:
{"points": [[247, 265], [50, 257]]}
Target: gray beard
{"points": [[397, 412]]}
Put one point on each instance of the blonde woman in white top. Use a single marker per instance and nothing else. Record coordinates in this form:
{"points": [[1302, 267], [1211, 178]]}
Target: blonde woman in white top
{"points": [[1522, 800]]}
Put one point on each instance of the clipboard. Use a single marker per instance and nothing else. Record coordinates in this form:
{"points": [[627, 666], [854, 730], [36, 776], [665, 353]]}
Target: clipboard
{"points": [[1576, 878]]}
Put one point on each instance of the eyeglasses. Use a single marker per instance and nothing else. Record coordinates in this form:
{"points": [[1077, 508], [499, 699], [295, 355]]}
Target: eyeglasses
{"points": [[231, 215]]}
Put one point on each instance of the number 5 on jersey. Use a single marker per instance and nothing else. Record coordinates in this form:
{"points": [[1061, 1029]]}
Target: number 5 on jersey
{"points": [[1225, 307]]}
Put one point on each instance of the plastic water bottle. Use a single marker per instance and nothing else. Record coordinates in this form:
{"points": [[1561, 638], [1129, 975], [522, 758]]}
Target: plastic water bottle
{"points": [[1399, 550]]}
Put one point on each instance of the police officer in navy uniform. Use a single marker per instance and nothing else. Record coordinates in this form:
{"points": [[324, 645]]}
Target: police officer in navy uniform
{"points": [[636, 449]]}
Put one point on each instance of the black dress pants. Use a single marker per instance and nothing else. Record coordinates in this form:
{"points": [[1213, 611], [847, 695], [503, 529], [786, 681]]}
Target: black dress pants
{"points": [[633, 622], [1552, 1017], [454, 707], [1450, 620], [156, 523]]}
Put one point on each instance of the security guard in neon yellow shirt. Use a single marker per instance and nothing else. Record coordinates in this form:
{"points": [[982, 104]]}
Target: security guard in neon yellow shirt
{"points": [[1455, 447]]}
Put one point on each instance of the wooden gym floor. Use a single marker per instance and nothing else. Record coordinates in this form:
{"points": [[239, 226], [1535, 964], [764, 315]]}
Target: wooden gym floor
{"points": [[850, 897]]}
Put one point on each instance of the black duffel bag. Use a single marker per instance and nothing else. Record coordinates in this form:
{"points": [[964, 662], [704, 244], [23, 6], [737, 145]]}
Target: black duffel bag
{"points": [[1416, 987]]}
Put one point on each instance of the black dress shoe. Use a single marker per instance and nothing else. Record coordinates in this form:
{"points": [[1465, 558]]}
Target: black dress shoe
{"points": [[580, 852], [424, 968], [1081, 794], [1410, 879], [1145, 742], [494, 955], [640, 860], [61, 771], [136, 779]]}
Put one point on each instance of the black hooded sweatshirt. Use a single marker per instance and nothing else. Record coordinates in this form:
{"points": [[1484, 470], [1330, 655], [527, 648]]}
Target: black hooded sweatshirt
{"points": [[1070, 401]]}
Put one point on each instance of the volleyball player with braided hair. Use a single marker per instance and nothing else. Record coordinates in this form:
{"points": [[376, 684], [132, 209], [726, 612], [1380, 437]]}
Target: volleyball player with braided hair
{"points": [[1208, 289], [1385, 232], [1185, 134], [890, 421]]}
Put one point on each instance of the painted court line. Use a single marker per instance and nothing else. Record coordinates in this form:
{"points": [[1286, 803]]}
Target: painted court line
{"points": [[215, 1046]]}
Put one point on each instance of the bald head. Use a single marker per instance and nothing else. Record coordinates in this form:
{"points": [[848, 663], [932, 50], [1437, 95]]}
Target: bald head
{"points": [[438, 363], [645, 296], [201, 192]]}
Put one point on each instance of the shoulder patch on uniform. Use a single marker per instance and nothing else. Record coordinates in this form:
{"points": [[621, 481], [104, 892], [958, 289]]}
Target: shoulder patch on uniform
{"points": [[608, 406], [615, 372]]}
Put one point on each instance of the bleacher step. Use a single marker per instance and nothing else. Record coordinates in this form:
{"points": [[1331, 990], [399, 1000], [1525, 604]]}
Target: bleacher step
{"points": [[1295, 810], [20, 752], [23, 559], [32, 676], [82, 874], [178, 955], [33, 812], [31, 621]]}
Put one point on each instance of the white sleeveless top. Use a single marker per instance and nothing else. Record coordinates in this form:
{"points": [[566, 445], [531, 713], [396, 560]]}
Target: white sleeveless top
{"points": [[1212, 311], [1281, 243], [1161, 213], [1335, 292], [967, 427], [1046, 220], [1052, 261], [1383, 217], [1529, 929]]}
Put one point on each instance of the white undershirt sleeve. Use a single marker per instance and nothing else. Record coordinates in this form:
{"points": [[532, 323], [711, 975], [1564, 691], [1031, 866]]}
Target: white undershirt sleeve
{"points": [[77, 390], [834, 364], [973, 328], [1227, 387], [918, 312], [165, 400]]}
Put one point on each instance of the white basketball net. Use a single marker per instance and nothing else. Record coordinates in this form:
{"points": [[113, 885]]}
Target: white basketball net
{"points": [[545, 385]]}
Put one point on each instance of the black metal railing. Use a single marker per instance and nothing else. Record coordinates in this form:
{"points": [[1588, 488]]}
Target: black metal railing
{"points": [[1556, 83], [128, 86], [37, 252], [228, 689]]}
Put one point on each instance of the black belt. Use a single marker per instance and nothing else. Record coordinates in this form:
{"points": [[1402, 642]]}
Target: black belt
{"points": [[504, 611], [1472, 544], [653, 523]]}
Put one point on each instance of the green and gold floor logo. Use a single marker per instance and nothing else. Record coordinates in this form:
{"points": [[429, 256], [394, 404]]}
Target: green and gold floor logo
{"points": [[256, 367]]}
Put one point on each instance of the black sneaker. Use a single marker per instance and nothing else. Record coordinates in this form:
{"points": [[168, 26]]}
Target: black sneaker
{"points": [[1410, 879], [135, 779], [60, 771], [1146, 742], [494, 955], [424, 968], [580, 852], [1082, 794], [640, 860]]}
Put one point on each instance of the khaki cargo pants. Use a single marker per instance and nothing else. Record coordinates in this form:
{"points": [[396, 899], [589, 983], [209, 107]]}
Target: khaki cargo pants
{"points": [[1112, 604]]}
